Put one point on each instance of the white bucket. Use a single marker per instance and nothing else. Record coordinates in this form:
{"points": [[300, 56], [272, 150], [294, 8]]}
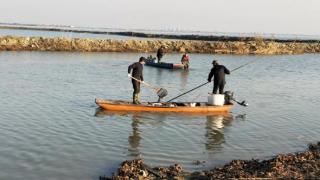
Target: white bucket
{"points": [[216, 99]]}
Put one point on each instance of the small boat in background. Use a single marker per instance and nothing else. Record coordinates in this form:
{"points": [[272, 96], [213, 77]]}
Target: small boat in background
{"points": [[153, 62], [176, 107]]}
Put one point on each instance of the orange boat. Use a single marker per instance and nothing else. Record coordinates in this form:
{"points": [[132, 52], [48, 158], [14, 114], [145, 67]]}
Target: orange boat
{"points": [[178, 107]]}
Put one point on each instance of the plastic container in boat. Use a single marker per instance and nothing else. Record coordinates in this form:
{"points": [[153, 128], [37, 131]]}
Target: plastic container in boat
{"points": [[216, 99]]}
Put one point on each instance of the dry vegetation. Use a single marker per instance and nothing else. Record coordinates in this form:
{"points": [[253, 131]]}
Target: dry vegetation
{"points": [[255, 46], [302, 165]]}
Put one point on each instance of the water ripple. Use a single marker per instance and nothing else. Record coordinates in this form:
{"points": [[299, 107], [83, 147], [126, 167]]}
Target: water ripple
{"points": [[50, 127]]}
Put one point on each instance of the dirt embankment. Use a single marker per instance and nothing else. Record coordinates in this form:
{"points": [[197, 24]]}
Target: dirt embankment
{"points": [[303, 165], [256, 46]]}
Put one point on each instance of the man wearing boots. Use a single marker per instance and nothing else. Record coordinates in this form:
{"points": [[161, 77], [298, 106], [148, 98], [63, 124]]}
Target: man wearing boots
{"points": [[137, 73]]}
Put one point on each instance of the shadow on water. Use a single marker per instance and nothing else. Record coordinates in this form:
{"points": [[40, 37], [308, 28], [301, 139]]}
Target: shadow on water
{"points": [[215, 129], [137, 119], [135, 137], [184, 78], [216, 125]]}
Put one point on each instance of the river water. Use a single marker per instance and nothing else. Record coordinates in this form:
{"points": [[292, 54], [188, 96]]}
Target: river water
{"points": [[51, 128]]}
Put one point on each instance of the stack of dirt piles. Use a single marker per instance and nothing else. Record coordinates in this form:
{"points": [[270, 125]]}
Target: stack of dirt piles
{"points": [[302, 165], [136, 169], [252, 46]]}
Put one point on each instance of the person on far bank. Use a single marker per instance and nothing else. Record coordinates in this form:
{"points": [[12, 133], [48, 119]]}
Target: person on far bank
{"points": [[218, 72], [185, 60], [160, 53], [137, 73]]}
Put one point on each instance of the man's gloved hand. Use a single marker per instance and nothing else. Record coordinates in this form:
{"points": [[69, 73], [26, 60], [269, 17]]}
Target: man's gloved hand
{"points": [[129, 75], [209, 80]]}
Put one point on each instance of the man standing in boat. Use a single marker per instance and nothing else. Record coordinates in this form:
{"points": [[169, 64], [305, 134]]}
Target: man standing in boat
{"points": [[160, 53], [218, 71], [185, 60], [137, 73]]}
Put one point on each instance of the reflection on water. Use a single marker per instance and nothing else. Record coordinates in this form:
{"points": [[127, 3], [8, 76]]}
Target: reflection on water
{"points": [[215, 129], [48, 128], [99, 112], [135, 136], [134, 139], [159, 74], [184, 78], [216, 126]]}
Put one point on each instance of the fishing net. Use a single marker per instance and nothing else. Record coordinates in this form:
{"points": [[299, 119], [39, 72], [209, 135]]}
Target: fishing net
{"points": [[162, 93]]}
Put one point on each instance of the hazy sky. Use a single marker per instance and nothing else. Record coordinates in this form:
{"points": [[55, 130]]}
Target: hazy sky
{"points": [[258, 16]]}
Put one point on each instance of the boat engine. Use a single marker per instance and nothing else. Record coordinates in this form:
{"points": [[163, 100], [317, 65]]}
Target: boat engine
{"points": [[228, 97]]}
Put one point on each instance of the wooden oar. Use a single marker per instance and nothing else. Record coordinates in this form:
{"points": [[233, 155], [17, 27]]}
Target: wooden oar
{"points": [[161, 92]]}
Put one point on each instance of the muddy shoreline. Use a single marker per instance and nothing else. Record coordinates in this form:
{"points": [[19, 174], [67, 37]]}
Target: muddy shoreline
{"points": [[301, 165], [257, 46]]}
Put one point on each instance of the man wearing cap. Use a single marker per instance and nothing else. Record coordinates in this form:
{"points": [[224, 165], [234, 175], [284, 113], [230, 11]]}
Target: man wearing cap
{"points": [[218, 71], [137, 73]]}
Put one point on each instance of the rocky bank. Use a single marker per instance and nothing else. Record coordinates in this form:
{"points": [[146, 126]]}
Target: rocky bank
{"points": [[257, 46], [302, 165]]}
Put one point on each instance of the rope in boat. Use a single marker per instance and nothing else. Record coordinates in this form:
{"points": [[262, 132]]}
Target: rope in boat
{"points": [[243, 65]]}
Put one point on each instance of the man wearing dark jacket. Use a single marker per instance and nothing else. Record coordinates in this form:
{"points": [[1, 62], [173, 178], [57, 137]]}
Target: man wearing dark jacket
{"points": [[137, 72], [160, 53], [218, 71]]}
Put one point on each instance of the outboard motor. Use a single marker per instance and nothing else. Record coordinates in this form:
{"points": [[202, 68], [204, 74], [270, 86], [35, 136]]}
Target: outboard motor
{"points": [[228, 97], [244, 103]]}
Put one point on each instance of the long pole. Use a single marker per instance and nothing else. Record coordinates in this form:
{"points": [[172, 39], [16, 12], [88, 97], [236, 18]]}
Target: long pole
{"points": [[161, 92], [209, 82], [146, 84], [188, 91], [243, 65]]}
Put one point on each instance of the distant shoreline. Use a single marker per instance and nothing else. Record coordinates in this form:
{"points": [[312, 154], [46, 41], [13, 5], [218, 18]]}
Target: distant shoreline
{"points": [[257, 46], [136, 33]]}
